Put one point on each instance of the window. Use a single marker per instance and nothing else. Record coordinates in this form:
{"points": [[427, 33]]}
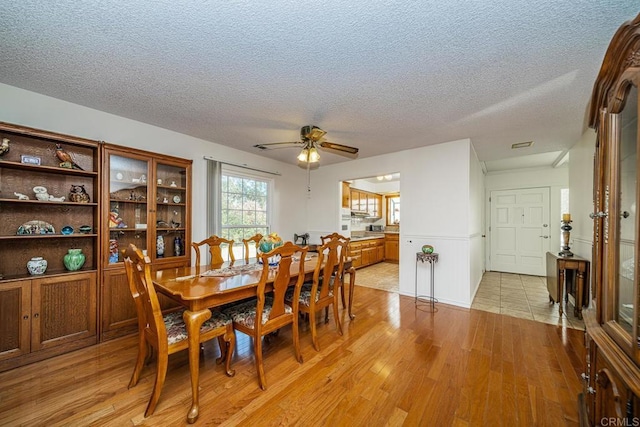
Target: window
{"points": [[393, 209], [244, 209]]}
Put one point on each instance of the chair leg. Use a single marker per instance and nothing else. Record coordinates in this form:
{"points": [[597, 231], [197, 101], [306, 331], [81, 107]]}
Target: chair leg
{"points": [[230, 344], [335, 314], [257, 346], [296, 339], [143, 353], [344, 303], [326, 314], [161, 373], [314, 333]]}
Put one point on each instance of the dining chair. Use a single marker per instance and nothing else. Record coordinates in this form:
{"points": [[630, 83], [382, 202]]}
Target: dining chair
{"points": [[326, 239], [320, 293], [256, 239], [268, 312], [166, 333], [215, 249]]}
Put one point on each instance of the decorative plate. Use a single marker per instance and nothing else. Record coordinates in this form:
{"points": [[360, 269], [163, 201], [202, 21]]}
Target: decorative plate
{"points": [[176, 199], [67, 229], [36, 227]]}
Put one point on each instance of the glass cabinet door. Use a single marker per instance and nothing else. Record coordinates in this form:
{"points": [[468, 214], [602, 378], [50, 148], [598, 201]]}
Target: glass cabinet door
{"points": [[128, 196], [170, 210], [628, 159]]}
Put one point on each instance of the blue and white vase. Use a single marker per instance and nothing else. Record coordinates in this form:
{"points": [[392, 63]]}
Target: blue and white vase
{"points": [[37, 265], [160, 247]]}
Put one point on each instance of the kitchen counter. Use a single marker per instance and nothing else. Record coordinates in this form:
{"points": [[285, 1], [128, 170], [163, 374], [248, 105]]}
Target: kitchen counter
{"points": [[368, 237]]}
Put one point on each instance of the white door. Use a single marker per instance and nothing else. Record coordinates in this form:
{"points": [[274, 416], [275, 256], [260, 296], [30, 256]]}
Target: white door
{"points": [[520, 230]]}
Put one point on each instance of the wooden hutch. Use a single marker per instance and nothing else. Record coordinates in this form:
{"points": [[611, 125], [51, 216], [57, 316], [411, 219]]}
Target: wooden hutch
{"points": [[611, 375], [104, 198]]}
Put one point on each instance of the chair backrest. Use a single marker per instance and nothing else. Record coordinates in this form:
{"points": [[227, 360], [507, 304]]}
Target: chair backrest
{"points": [[215, 249], [331, 258], [328, 237], [281, 281], [150, 320], [256, 239], [339, 237]]}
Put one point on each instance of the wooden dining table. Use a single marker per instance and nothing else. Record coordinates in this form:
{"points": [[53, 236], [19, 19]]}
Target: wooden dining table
{"points": [[200, 288]]}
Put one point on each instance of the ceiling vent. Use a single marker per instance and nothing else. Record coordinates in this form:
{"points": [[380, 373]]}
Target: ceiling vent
{"points": [[521, 145]]}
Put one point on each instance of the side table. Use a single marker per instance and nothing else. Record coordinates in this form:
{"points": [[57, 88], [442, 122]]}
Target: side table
{"points": [[431, 259]]}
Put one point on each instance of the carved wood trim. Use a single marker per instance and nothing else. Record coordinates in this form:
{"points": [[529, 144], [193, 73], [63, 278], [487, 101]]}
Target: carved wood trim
{"points": [[623, 53]]}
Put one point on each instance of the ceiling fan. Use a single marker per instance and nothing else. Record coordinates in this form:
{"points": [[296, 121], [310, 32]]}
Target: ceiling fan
{"points": [[312, 139]]}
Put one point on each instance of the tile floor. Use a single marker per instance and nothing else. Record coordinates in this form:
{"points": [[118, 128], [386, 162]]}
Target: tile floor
{"points": [[383, 275], [505, 293], [522, 296]]}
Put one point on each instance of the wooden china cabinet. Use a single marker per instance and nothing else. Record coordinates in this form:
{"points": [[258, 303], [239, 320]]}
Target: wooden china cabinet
{"points": [[48, 205], [147, 202], [611, 375]]}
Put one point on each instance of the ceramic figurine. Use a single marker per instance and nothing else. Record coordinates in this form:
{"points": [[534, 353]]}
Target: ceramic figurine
{"points": [[66, 159], [41, 193], [21, 196], [56, 199], [78, 194], [113, 251], [4, 148]]}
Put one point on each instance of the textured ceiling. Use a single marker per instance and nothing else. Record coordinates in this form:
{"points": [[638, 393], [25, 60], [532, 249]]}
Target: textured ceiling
{"points": [[379, 75]]}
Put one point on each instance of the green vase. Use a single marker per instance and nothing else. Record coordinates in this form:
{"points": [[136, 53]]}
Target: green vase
{"points": [[74, 260]]}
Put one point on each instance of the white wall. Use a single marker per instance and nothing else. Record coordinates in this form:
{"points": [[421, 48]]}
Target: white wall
{"points": [[554, 178], [434, 186], [476, 222], [26, 108], [581, 164]]}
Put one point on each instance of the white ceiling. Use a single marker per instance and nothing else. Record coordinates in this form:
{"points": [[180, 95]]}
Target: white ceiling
{"points": [[379, 75]]}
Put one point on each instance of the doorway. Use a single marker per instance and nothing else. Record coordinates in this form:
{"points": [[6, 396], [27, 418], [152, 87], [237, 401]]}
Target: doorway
{"points": [[519, 231], [368, 202]]}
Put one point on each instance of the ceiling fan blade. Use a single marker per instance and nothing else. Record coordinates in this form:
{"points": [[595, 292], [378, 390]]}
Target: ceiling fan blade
{"points": [[343, 150], [276, 145]]}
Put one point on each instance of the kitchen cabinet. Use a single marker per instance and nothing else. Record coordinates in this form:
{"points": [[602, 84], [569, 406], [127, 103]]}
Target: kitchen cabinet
{"points": [[147, 202], [611, 375], [392, 247], [365, 201], [346, 195], [366, 252], [49, 202]]}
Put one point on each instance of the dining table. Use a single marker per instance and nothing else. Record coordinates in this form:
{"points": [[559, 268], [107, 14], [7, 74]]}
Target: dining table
{"points": [[200, 288]]}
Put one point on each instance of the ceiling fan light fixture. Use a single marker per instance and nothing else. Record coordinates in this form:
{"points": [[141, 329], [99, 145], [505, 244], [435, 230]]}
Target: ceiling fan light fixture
{"points": [[380, 178], [388, 177], [304, 155], [314, 156], [315, 133]]}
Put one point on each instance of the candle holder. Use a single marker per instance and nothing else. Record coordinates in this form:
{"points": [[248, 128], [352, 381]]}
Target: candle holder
{"points": [[566, 231]]}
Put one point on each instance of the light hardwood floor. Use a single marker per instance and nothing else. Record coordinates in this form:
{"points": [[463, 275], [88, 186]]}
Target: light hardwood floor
{"points": [[393, 366]]}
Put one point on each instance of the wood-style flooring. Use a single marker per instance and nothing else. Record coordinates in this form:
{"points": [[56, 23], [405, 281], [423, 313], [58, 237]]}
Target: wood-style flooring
{"points": [[394, 366]]}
